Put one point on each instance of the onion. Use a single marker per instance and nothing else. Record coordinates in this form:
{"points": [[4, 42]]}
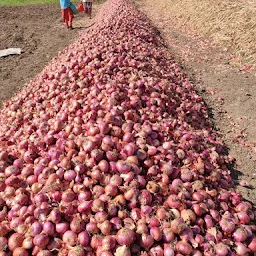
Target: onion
{"points": [[70, 237], [173, 201], [241, 249], [252, 245], [123, 251], [92, 227], [168, 235], [15, 241], [77, 251], [48, 228], [188, 216], [3, 243], [27, 243], [109, 151], [41, 241], [157, 250], [125, 236], [45, 253], [178, 225], [156, 233], [77, 225], [240, 235], [20, 252], [146, 241], [62, 227], [221, 249], [184, 247], [227, 225], [83, 238]]}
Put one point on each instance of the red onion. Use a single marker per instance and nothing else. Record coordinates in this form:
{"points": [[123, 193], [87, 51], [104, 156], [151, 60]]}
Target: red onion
{"points": [[19, 251], [62, 227], [243, 217], [184, 247], [156, 233], [108, 151], [240, 235], [83, 238], [157, 250], [15, 241], [227, 225], [70, 237], [84, 206], [92, 227], [173, 201], [41, 241], [105, 227], [45, 253], [168, 250], [3, 243], [241, 249], [178, 225], [48, 228], [69, 175], [168, 235], [221, 249], [116, 223], [252, 245], [188, 216], [27, 243], [111, 190], [146, 241], [125, 236]]}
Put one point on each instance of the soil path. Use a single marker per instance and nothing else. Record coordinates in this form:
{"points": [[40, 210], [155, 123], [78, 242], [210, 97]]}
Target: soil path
{"points": [[229, 93]]}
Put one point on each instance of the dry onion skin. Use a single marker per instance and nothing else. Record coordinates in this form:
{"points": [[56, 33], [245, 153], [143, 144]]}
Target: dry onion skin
{"points": [[109, 151]]}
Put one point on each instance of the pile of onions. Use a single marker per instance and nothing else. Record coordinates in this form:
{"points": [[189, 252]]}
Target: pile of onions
{"points": [[109, 151]]}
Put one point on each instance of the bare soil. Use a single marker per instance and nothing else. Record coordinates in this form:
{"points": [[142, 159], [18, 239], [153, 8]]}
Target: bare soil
{"points": [[40, 33], [229, 93]]}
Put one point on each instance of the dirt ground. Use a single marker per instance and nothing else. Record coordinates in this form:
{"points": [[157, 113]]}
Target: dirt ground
{"points": [[40, 33], [229, 93]]}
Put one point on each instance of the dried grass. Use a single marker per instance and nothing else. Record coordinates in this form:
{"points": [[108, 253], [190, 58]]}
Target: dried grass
{"points": [[231, 23]]}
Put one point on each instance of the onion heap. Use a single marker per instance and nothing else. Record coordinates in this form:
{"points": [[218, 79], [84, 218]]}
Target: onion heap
{"points": [[109, 151]]}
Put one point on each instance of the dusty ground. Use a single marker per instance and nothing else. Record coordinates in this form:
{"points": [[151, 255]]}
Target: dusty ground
{"points": [[40, 33], [229, 92], [231, 23]]}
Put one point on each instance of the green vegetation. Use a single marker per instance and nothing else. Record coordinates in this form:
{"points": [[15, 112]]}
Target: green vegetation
{"points": [[25, 2]]}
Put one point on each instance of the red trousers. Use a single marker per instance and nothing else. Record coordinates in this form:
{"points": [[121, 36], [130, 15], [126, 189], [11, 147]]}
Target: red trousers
{"points": [[67, 16]]}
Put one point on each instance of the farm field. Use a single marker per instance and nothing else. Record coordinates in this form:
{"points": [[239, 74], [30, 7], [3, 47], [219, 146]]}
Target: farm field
{"points": [[126, 135], [229, 93]]}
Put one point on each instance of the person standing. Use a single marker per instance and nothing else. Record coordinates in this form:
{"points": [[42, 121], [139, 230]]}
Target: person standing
{"points": [[88, 7], [67, 14]]}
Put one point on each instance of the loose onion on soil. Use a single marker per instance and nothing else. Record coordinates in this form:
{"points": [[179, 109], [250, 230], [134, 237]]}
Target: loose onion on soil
{"points": [[109, 151]]}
